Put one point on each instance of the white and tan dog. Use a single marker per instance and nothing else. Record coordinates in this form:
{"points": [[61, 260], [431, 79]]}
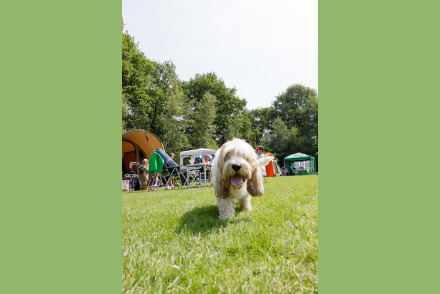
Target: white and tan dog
{"points": [[236, 174]]}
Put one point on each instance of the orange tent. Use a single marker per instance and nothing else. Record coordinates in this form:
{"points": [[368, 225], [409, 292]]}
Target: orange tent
{"points": [[136, 145]]}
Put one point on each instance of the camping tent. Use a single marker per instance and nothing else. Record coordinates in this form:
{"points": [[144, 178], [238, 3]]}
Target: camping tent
{"points": [[190, 155], [137, 145], [305, 161]]}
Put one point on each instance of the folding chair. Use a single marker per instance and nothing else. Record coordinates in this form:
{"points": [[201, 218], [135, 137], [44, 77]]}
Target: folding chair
{"points": [[172, 169], [293, 171]]}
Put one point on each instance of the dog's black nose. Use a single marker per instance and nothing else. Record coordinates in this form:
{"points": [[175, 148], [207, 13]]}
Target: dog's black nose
{"points": [[236, 167]]}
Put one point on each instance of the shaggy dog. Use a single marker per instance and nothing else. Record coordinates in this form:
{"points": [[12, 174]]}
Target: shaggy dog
{"points": [[236, 174]]}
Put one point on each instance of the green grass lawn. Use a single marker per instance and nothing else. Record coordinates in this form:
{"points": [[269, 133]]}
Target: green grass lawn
{"points": [[173, 241]]}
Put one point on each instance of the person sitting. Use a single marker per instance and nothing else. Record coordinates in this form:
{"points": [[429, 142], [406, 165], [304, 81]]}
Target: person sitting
{"points": [[145, 174], [207, 159], [198, 160], [156, 183]]}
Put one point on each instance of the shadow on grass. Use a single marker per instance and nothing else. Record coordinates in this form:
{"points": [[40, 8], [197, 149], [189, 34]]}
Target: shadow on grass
{"points": [[203, 220]]}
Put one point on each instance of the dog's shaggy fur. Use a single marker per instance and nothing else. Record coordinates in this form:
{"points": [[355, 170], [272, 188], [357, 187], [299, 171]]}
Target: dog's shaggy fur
{"points": [[236, 174]]}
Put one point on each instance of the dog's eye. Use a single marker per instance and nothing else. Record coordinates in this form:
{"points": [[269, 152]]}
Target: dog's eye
{"points": [[228, 155]]}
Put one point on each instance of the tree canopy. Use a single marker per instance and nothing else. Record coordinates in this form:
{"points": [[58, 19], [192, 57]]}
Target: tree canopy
{"points": [[227, 103]]}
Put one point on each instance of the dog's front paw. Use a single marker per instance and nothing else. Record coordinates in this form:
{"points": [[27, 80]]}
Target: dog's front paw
{"points": [[245, 204], [226, 216], [248, 208], [223, 217]]}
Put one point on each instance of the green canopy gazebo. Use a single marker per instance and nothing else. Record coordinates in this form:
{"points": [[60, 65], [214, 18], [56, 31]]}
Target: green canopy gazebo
{"points": [[299, 160]]}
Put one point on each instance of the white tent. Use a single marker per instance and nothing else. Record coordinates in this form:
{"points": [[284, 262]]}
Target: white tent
{"points": [[192, 154]]}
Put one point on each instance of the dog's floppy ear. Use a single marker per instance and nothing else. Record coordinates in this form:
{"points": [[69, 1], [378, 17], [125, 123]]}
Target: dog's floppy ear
{"points": [[221, 187], [255, 183], [221, 190]]}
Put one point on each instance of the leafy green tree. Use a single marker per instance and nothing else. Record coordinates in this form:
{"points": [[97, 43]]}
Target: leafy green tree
{"points": [[297, 107], [261, 123], [227, 103], [203, 127], [125, 112], [152, 98], [135, 82], [294, 106], [246, 130], [235, 123], [281, 140], [174, 122], [164, 86]]}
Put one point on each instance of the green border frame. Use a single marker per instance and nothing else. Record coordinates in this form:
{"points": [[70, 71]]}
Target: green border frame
{"points": [[61, 132], [378, 72]]}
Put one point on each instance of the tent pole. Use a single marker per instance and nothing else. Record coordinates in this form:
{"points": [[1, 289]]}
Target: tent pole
{"points": [[137, 160], [149, 141]]}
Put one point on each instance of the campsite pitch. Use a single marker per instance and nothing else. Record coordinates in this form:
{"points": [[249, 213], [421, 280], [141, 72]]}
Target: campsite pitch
{"points": [[173, 241]]}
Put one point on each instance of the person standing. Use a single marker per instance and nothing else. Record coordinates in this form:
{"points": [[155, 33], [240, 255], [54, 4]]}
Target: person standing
{"points": [[259, 151]]}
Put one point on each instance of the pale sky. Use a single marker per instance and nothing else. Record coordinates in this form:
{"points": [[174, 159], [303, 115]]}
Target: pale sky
{"points": [[259, 47]]}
